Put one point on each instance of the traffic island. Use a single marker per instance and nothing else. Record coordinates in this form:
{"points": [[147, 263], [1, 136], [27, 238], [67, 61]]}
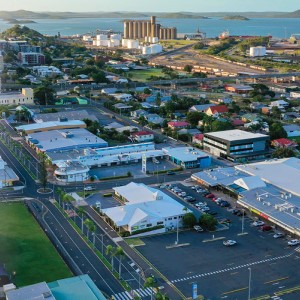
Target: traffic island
{"points": [[213, 239], [45, 191]]}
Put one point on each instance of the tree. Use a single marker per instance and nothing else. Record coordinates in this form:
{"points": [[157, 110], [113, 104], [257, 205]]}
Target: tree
{"points": [[276, 112], [110, 251], [277, 131], [194, 117], [88, 223], [150, 283], [43, 174], [81, 212], [283, 152], [189, 220], [220, 125], [208, 222], [147, 91], [188, 68], [158, 99], [120, 253], [44, 95]]}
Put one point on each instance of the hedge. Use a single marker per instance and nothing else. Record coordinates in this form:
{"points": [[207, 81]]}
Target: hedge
{"points": [[166, 171], [115, 177], [147, 229], [107, 195]]}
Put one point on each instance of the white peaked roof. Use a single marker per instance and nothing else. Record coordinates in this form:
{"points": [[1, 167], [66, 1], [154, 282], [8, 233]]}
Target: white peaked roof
{"points": [[136, 193], [250, 183]]}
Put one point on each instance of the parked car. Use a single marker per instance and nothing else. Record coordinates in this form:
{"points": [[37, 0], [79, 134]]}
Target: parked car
{"points": [[194, 187], [224, 203], [240, 213], [204, 208], [182, 194], [200, 204], [235, 211], [258, 223], [212, 212], [198, 228], [191, 200], [278, 235], [224, 221], [210, 196], [229, 243], [170, 173], [294, 242], [266, 228], [187, 198], [89, 188]]}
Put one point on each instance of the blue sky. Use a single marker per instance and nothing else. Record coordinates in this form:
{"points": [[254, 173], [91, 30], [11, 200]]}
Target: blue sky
{"points": [[152, 5]]}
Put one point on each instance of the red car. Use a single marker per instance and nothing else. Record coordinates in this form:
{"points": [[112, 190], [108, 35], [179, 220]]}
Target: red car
{"points": [[266, 228], [210, 196]]}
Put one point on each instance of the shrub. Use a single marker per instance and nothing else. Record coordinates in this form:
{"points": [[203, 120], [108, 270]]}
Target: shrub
{"points": [[107, 195], [147, 229]]}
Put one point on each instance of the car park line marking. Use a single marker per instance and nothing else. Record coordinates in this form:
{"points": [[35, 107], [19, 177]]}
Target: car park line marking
{"points": [[234, 268], [235, 291], [275, 280]]}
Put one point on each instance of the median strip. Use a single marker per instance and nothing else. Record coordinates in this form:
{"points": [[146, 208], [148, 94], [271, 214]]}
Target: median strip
{"points": [[235, 291], [275, 280]]}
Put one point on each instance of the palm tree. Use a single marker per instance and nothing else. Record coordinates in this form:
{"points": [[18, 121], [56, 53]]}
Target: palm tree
{"points": [[110, 250], [120, 253], [93, 228], [150, 283], [88, 224], [80, 212], [65, 199]]}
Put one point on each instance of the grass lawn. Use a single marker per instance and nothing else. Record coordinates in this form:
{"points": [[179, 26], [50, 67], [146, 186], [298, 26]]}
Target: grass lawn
{"points": [[173, 44], [25, 248], [134, 242], [143, 75]]}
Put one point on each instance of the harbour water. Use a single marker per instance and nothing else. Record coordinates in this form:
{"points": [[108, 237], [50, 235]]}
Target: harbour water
{"points": [[280, 28]]}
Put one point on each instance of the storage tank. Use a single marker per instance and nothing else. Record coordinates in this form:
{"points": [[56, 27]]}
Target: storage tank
{"points": [[94, 44], [102, 37], [126, 29], [103, 43], [156, 48], [154, 40], [130, 31], [146, 50], [115, 37], [115, 42], [133, 44], [125, 43], [257, 51]]}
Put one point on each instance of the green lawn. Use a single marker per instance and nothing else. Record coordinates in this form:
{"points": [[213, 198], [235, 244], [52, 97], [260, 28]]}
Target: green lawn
{"points": [[143, 75], [25, 248]]}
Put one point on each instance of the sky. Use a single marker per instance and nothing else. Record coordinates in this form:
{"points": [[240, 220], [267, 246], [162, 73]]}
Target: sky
{"points": [[152, 5]]}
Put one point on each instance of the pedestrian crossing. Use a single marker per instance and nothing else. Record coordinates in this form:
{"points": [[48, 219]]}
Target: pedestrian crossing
{"points": [[231, 269], [142, 293]]}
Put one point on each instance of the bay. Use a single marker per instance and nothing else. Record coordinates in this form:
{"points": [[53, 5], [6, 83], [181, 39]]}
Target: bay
{"points": [[276, 27]]}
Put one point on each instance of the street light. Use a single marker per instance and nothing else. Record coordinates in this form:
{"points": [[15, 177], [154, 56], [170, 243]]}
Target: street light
{"points": [[249, 285], [243, 220]]}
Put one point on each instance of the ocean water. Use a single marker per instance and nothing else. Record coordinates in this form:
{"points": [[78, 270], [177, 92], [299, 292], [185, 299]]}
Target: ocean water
{"points": [[280, 28]]}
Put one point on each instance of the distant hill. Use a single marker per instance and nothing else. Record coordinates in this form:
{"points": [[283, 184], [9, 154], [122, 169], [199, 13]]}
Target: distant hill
{"points": [[240, 18], [21, 31], [24, 14], [15, 21]]}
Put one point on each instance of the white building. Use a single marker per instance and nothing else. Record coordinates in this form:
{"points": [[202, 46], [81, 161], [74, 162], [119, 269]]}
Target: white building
{"points": [[46, 71], [7, 175], [71, 171], [144, 207], [257, 51], [26, 97]]}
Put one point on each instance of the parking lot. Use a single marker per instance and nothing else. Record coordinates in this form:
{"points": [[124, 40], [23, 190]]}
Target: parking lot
{"points": [[223, 272]]}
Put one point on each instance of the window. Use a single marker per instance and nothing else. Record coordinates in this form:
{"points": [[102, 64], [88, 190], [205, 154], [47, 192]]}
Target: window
{"points": [[169, 219], [149, 225], [175, 218], [160, 223]]}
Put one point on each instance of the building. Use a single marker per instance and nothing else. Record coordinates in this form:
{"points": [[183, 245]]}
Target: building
{"points": [[7, 175], [51, 125], [216, 110], [178, 125], [292, 130], [284, 143], [139, 29], [154, 118], [200, 107], [71, 171], [188, 157], [31, 58], [236, 144], [280, 104], [144, 208], [64, 140], [259, 189], [1, 63], [75, 288], [238, 89], [25, 97], [142, 136], [198, 139], [257, 51]]}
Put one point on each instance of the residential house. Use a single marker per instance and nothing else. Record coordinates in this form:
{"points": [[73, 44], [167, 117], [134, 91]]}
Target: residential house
{"points": [[284, 143], [237, 123], [142, 136], [225, 100], [122, 97], [154, 118], [289, 116], [178, 125], [200, 107], [198, 139], [251, 117], [216, 110], [138, 113], [123, 108], [257, 106], [190, 132], [292, 130], [295, 95], [281, 104]]}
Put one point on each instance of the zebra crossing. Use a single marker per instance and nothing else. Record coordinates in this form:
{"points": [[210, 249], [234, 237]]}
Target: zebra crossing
{"points": [[142, 293], [233, 268]]}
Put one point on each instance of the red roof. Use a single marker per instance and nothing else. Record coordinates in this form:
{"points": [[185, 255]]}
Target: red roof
{"points": [[237, 122], [284, 142], [219, 109], [178, 124], [140, 133], [199, 136]]}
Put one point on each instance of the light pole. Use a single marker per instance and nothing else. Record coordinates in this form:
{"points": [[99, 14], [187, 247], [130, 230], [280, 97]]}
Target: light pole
{"points": [[177, 234], [243, 220], [249, 285]]}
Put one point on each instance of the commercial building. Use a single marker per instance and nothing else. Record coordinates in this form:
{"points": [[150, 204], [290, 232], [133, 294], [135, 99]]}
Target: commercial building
{"points": [[144, 208], [25, 97], [7, 175], [238, 89], [236, 144], [268, 189], [52, 125], [31, 58], [139, 29], [75, 288], [64, 140], [188, 157]]}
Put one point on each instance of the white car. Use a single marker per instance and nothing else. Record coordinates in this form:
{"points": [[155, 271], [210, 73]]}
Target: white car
{"points": [[258, 223], [89, 188], [198, 228], [204, 208], [294, 242], [229, 243], [278, 235]]}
